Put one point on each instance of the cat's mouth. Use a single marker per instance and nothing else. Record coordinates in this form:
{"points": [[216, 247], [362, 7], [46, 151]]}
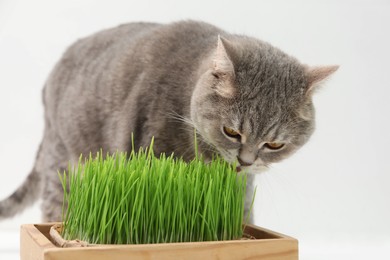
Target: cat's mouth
{"points": [[238, 169]]}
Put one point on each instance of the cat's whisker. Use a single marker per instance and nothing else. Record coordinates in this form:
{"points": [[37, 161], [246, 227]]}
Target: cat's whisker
{"points": [[174, 115]]}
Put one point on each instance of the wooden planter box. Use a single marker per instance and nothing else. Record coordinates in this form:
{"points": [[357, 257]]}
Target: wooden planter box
{"points": [[36, 244]]}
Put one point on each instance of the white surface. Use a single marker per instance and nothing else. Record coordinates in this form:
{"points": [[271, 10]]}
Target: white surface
{"points": [[333, 195]]}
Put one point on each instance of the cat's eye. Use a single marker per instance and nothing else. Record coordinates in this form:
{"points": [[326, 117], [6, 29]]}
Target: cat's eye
{"points": [[231, 132], [274, 145]]}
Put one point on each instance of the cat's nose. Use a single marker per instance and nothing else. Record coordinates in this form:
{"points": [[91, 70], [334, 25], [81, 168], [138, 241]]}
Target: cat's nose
{"points": [[243, 163]]}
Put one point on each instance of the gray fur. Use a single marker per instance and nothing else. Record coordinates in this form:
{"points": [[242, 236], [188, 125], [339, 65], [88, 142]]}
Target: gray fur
{"points": [[162, 81]]}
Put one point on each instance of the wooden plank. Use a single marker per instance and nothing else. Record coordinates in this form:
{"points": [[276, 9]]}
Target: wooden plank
{"points": [[270, 249], [268, 245]]}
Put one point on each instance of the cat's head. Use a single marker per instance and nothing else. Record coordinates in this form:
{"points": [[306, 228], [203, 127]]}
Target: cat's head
{"points": [[253, 103]]}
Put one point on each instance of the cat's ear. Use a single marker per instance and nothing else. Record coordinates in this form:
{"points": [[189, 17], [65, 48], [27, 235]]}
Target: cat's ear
{"points": [[223, 69], [316, 75], [222, 63]]}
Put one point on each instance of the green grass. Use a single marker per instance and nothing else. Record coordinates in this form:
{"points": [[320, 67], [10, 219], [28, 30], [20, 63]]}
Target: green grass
{"points": [[141, 199]]}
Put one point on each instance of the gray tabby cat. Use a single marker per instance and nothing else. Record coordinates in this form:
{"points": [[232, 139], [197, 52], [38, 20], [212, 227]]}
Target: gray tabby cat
{"points": [[248, 101]]}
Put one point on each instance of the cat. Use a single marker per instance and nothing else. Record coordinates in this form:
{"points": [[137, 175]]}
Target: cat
{"points": [[248, 101]]}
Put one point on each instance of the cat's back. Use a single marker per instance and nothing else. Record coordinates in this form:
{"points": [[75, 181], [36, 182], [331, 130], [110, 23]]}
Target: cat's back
{"points": [[102, 44], [141, 35], [139, 43], [107, 60], [99, 42]]}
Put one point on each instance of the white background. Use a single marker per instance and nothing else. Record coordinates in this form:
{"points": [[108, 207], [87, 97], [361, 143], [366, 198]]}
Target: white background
{"points": [[333, 196]]}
